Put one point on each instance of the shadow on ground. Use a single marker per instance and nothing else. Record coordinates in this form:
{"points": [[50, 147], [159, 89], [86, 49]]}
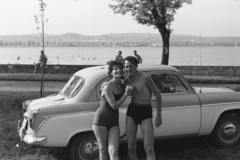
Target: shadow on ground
{"points": [[184, 148]]}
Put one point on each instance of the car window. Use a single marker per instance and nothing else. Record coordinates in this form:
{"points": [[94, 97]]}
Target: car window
{"points": [[72, 87], [168, 83]]}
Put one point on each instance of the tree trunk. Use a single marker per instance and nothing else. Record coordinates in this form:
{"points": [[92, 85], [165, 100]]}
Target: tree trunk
{"points": [[165, 52], [161, 23], [42, 81]]}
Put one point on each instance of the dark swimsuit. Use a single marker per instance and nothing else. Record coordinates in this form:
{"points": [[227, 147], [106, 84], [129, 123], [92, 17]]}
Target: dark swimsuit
{"points": [[106, 115], [139, 112]]}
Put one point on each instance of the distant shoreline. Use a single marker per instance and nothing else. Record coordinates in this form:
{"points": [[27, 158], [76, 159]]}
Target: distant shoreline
{"points": [[112, 40]]}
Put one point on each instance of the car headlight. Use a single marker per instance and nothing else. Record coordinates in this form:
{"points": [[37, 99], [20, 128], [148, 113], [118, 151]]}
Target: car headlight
{"points": [[34, 115], [25, 105], [31, 116]]}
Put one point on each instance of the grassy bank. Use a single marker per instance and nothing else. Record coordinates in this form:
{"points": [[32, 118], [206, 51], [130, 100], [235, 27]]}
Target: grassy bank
{"points": [[178, 149], [10, 113]]}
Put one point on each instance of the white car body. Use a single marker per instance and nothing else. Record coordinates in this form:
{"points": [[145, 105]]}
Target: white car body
{"points": [[56, 120]]}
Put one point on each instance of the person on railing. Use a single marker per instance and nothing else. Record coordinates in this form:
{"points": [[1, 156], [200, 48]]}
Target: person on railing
{"points": [[42, 62]]}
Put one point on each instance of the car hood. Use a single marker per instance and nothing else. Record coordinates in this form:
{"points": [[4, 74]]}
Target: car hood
{"points": [[217, 96], [211, 89], [45, 102]]}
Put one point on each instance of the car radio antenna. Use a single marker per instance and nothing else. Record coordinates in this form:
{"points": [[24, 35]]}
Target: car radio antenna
{"points": [[200, 61]]}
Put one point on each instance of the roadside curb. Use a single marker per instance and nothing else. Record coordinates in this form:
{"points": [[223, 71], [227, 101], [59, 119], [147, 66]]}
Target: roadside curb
{"points": [[35, 77]]}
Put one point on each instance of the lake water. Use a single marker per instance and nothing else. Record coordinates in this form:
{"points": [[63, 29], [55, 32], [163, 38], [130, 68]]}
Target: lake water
{"points": [[195, 56]]}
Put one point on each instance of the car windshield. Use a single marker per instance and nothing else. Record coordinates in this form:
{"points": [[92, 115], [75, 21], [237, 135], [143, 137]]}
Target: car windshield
{"points": [[72, 87]]}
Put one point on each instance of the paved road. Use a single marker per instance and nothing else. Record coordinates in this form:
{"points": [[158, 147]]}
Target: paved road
{"points": [[57, 86], [30, 86]]}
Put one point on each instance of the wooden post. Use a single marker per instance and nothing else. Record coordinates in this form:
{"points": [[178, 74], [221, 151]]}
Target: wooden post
{"points": [[42, 81]]}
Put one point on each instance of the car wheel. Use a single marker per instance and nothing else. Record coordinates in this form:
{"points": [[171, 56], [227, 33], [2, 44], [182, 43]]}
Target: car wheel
{"points": [[227, 131], [84, 147]]}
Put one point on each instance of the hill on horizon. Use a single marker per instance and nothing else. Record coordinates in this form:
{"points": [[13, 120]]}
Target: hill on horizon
{"points": [[116, 37]]}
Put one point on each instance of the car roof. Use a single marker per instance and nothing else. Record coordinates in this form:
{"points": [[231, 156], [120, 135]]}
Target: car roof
{"points": [[93, 75], [156, 67]]}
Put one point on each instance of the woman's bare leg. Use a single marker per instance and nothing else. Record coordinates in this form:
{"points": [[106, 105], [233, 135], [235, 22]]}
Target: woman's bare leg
{"points": [[101, 134], [113, 142]]}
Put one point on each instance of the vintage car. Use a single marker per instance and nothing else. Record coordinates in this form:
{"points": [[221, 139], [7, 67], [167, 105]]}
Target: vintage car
{"points": [[65, 119]]}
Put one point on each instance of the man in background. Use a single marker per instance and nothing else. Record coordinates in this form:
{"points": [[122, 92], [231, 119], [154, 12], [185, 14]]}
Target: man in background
{"points": [[42, 62], [119, 57], [138, 57]]}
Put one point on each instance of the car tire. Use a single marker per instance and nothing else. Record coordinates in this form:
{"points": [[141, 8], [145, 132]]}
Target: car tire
{"points": [[84, 147], [227, 131]]}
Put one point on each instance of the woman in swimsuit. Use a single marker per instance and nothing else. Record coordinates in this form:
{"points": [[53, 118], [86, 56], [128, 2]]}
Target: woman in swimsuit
{"points": [[105, 123]]}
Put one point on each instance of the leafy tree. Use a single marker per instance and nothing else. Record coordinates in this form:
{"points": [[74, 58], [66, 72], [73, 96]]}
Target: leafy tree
{"points": [[41, 21], [157, 13]]}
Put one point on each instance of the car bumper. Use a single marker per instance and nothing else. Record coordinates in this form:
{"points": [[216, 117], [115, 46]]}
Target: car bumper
{"points": [[27, 134]]}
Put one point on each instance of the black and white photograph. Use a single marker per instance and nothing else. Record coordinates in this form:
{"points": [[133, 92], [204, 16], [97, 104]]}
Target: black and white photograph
{"points": [[119, 79]]}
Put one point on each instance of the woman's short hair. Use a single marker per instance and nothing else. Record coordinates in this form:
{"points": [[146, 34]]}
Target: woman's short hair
{"points": [[131, 59], [114, 63]]}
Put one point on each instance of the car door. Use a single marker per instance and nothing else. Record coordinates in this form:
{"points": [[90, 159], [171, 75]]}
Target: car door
{"points": [[181, 112]]}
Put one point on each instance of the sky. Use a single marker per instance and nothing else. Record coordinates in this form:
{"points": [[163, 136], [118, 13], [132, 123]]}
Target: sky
{"points": [[211, 18]]}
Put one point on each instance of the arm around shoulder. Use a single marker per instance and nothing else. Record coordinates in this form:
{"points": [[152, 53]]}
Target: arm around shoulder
{"points": [[111, 100]]}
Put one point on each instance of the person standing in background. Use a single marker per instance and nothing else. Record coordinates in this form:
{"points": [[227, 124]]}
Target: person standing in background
{"points": [[119, 57], [138, 57]]}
